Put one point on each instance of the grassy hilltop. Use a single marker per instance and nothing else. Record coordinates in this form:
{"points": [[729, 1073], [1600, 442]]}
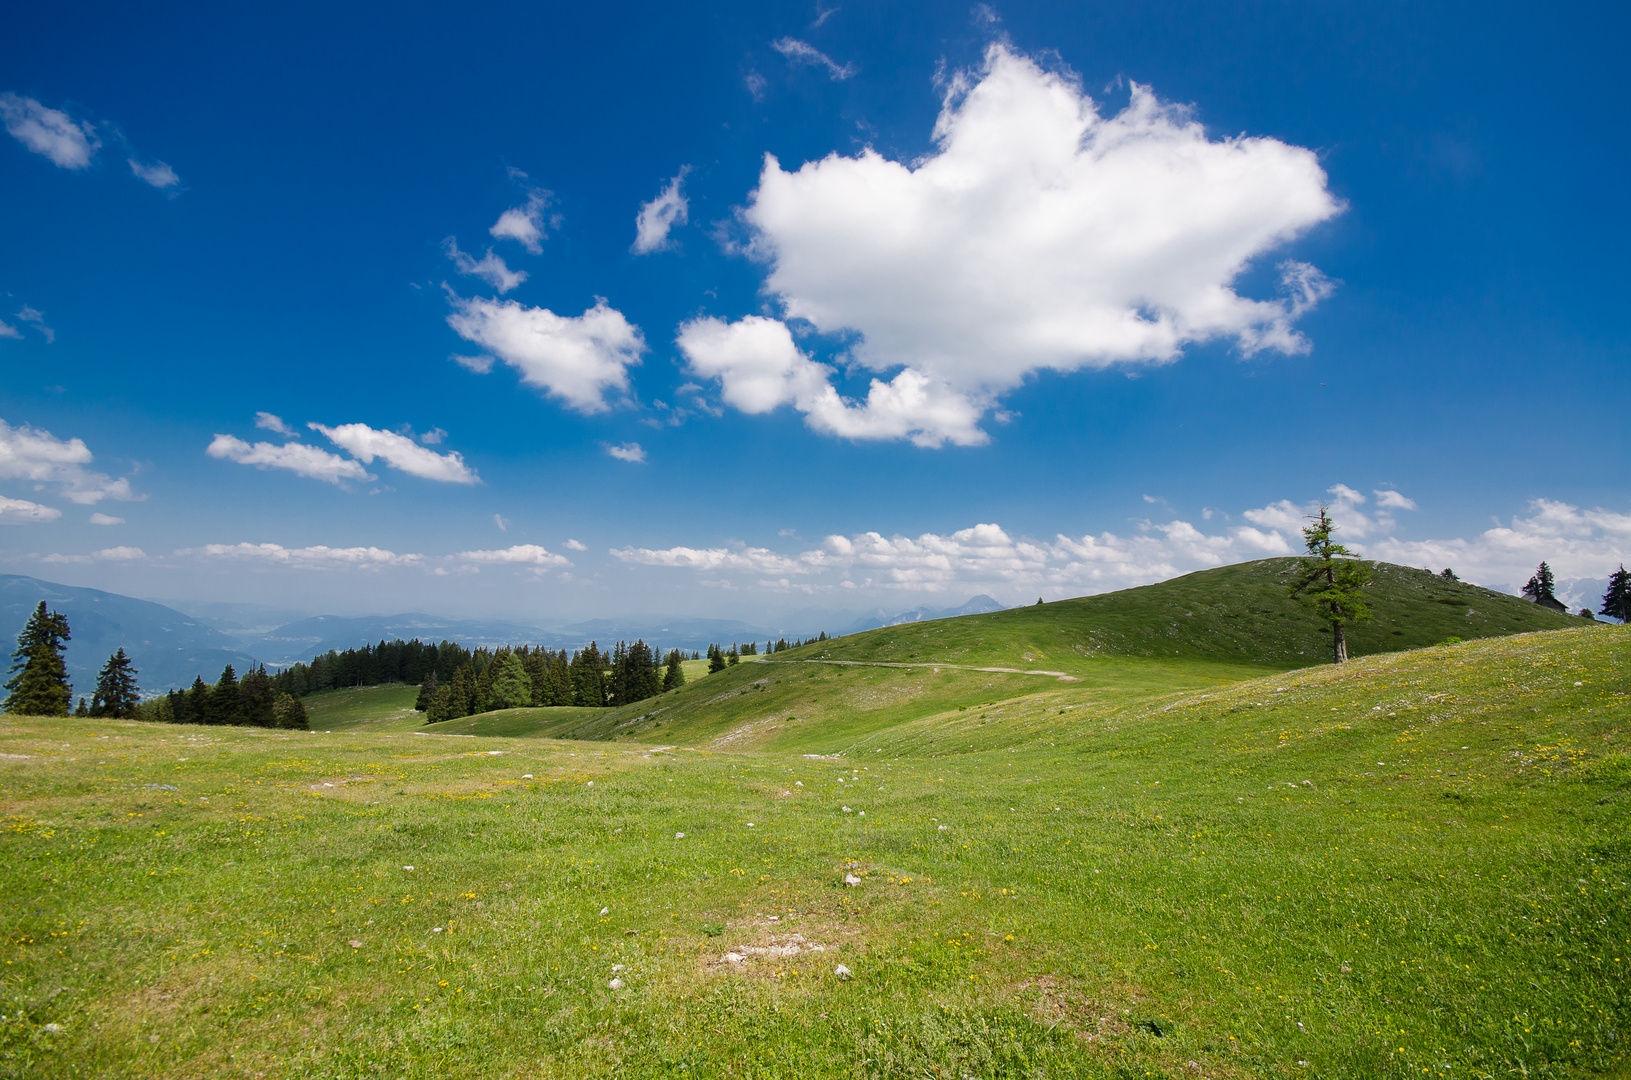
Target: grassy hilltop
{"points": [[1219, 863]]}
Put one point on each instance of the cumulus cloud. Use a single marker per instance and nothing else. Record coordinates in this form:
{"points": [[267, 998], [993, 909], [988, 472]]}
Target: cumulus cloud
{"points": [[113, 554], [520, 555], [268, 422], [490, 268], [800, 52], [657, 217], [575, 545], [158, 174], [100, 518], [577, 359], [1038, 235], [759, 367], [51, 133], [631, 452], [524, 224], [36, 455], [296, 457], [399, 452], [23, 512], [318, 557], [1392, 500]]}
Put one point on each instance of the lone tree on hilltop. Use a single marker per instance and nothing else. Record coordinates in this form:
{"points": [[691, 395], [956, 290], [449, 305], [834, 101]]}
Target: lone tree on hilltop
{"points": [[39, 678], [1331, 578], [1539, 589], [117, 694], [1617, 598]]}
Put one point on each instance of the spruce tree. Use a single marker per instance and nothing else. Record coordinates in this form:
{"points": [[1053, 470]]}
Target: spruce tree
{"points": [[1617, 598], [427, 692], [39, 677], [511, 687], [674, 677], [225, 705], [117, 694], [716, 659], [289, 713], [1539, 587], [1331, 578], [198, 702]]}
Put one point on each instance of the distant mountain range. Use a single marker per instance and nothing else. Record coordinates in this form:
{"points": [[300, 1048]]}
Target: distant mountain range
{"points": [[171, 647]]}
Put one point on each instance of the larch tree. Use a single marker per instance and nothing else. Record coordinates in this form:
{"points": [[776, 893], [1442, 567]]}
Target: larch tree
{"points": [[117, 694], [1332, 579], [39, 676]]}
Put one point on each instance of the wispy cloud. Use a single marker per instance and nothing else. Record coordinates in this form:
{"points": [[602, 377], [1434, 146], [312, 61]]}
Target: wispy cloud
{"points": [[269, 422], [629, 451], [51, 133], [158, 174], [660, 215], [296, 457], [525, 224], [490, 268], [318, 557], [113, 554], [530, 555], [800, 52], [36, 319], [399, 452]]}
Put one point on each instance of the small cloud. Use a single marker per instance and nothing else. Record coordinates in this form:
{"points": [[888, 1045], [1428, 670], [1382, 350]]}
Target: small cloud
{"points": [[823, 14], [1344, 493], [755, 83], [433, 437], [157, 174], [501, 522], [630, 452], [7, 330], [268, 422], [36, 455], [400, 452], [298, 458], [490, 268], [575, 545], [23, 512], [481, 365], [1392, 500], [50, 133], [524, 224], [800, 52], [985, 15], [120, 554], [37, 320], [522, 554], [661, 214], [100, 518]]}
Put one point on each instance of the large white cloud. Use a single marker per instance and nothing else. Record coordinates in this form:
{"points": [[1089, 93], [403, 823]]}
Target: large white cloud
{"points": [[657, 217], [399, 452], [577, 359], [1038, 235], [296, 457], [51, 133], [28, 453]]}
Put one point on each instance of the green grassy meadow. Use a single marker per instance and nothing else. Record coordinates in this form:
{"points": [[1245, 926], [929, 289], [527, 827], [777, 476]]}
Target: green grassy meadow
{"points": [[1413, 865]]}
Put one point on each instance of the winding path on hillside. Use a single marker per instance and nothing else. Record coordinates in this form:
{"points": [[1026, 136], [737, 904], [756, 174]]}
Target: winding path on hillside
{"points": [[1060, 675]]}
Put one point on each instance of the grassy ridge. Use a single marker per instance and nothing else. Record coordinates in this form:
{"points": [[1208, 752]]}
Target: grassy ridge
{"points": [[1415, 864]]}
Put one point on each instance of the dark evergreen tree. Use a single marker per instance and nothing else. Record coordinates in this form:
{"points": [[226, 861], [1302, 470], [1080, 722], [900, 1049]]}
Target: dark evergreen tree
{"points": [[198, 702], [1539, 587], [511, 686], [716, 659], [258, 697], [674, 675], [116, 694], [225, 703], [589, 676], [1448, 575], [83, 709], [427, 692], [1617, 597], [39, 677], [1332, 579]]}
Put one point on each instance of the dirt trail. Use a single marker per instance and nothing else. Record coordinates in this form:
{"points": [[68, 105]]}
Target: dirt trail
{"points": [[1060, 675]]}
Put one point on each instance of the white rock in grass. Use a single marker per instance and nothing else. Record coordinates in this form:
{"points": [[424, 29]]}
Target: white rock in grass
{"points": [[844, 974], [679, 836], [735, 958], [618, 967], [615, 984], [53, 1029], [605, 911], [851, 879], [526, 776]]}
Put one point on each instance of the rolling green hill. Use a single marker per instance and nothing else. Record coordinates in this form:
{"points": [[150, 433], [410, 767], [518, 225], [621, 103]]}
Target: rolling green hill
{"points": [[1203, 629]]}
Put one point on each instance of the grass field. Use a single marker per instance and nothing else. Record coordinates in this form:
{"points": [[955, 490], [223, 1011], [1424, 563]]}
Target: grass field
{"points": [[1414, 865]]}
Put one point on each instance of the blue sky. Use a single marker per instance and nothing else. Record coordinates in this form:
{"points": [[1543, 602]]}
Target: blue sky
{"points": [[1026, 299]]}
